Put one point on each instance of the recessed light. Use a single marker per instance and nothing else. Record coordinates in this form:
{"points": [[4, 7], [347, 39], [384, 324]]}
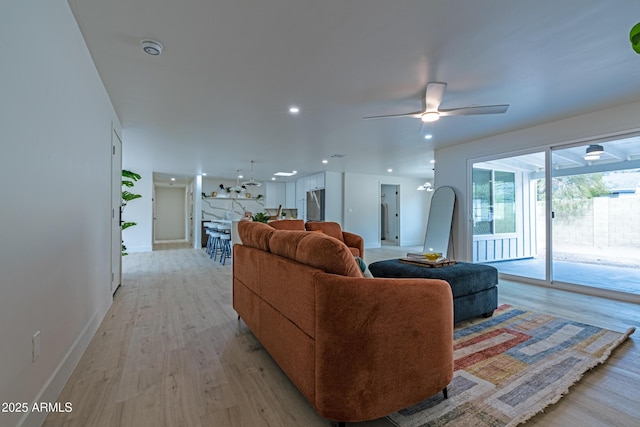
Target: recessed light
{"points": [[325, 161], [204, 174], [273, 178], [389, 170], [173, 179], [428, 136], [294, 110], [432, 161], [240, 176]]}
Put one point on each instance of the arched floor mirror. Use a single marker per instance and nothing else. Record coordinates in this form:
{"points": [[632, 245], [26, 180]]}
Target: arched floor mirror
{"points": [[439, 221]]}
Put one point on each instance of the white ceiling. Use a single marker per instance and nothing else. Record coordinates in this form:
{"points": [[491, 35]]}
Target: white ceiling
{"points": [[218, 95]]}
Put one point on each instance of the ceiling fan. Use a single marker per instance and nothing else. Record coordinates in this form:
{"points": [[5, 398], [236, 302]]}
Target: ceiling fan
{"points": [[432, 112]]}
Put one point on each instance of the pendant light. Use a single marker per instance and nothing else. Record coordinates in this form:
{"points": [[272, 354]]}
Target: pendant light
{"points": [[251, 182]]}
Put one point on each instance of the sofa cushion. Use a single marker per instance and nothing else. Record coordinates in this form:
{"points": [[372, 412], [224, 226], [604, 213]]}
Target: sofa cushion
{"points": [[285, 242], [255, 234], [287, 224], [328, 254], [329, 228], [315, 250]]}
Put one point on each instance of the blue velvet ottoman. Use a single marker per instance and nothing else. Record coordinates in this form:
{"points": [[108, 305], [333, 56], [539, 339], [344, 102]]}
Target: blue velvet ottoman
{"points": [[474, 286]]}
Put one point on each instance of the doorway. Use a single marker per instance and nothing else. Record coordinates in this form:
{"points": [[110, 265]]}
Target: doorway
{"points": [[116, 201], [170, 214], [389, 214]]}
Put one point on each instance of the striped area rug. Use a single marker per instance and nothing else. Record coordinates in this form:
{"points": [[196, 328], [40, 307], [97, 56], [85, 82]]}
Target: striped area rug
{"points": [[510, 367]]}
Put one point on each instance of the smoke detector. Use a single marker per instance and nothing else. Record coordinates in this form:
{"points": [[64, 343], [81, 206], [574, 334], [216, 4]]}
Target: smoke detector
{"points": [[152, 47]]}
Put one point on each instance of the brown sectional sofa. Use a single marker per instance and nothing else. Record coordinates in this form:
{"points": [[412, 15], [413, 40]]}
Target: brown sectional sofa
{"points": [[357, 348]]}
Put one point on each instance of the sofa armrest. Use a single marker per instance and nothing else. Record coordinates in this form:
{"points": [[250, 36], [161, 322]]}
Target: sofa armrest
{"points": [[354, 241], [381, 344]]}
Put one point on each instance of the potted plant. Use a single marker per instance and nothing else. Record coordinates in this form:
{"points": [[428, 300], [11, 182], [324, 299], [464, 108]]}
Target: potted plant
{"points": [[260, 217], [128, 180]]}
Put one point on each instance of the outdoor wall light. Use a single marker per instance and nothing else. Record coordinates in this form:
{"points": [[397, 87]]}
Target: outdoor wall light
{"points": [[593, 152]]}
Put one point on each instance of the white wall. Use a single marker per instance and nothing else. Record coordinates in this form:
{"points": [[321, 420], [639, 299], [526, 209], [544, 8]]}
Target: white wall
{"points": [[138, 238], [362, 208], [452, 168], [56, 121]]}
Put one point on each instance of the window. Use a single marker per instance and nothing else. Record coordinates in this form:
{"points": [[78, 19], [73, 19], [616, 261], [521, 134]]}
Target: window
{"points": [[494, 207]]}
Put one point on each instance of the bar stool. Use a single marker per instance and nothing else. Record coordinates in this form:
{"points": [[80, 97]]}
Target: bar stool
{"points": [[216, 245], [210, 239], [225, 243]]}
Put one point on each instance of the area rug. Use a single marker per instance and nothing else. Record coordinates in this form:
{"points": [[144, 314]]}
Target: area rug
{"points": [[510, 367]]}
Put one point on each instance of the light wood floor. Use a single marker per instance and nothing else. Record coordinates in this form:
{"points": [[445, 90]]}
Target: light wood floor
{"points": [[171, 352]]}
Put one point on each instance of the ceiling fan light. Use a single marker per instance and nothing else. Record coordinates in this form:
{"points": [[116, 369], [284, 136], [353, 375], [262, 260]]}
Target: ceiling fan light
{"points": [[430, 116]]}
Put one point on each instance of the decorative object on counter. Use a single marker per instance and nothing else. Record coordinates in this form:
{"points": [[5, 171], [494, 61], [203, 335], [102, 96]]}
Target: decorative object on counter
{"points": [[248, 195], [247, 215], [259, 196], [128, 180], [204, 195], [260, 217], [214, 194]]}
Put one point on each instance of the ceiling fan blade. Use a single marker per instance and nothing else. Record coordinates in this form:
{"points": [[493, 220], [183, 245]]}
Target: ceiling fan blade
{"points": [[416, 114], [480, 109], [433, 95]]}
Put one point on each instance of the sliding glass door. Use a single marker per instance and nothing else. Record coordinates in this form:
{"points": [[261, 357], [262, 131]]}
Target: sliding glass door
{"points": [[596, 216], [508, 208], [588, 235]]}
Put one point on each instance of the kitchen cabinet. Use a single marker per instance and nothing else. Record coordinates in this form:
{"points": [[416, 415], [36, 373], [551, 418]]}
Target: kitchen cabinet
{"points": [[290, 195], [275, 194]]}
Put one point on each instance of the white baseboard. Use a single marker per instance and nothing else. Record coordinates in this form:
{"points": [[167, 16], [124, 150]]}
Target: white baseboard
{"points": [[56, 382]]}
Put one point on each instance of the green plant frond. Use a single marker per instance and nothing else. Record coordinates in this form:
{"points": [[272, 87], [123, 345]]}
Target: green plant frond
{"points": [[127, 196], [131, 175], [129, 179]]}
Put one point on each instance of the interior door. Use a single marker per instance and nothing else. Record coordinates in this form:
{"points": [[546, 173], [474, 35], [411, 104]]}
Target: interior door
{"points": [[116, 200]]}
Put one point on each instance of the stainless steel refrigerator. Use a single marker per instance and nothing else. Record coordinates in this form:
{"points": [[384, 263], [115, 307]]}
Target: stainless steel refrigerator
{"points": [[315, 205]]}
